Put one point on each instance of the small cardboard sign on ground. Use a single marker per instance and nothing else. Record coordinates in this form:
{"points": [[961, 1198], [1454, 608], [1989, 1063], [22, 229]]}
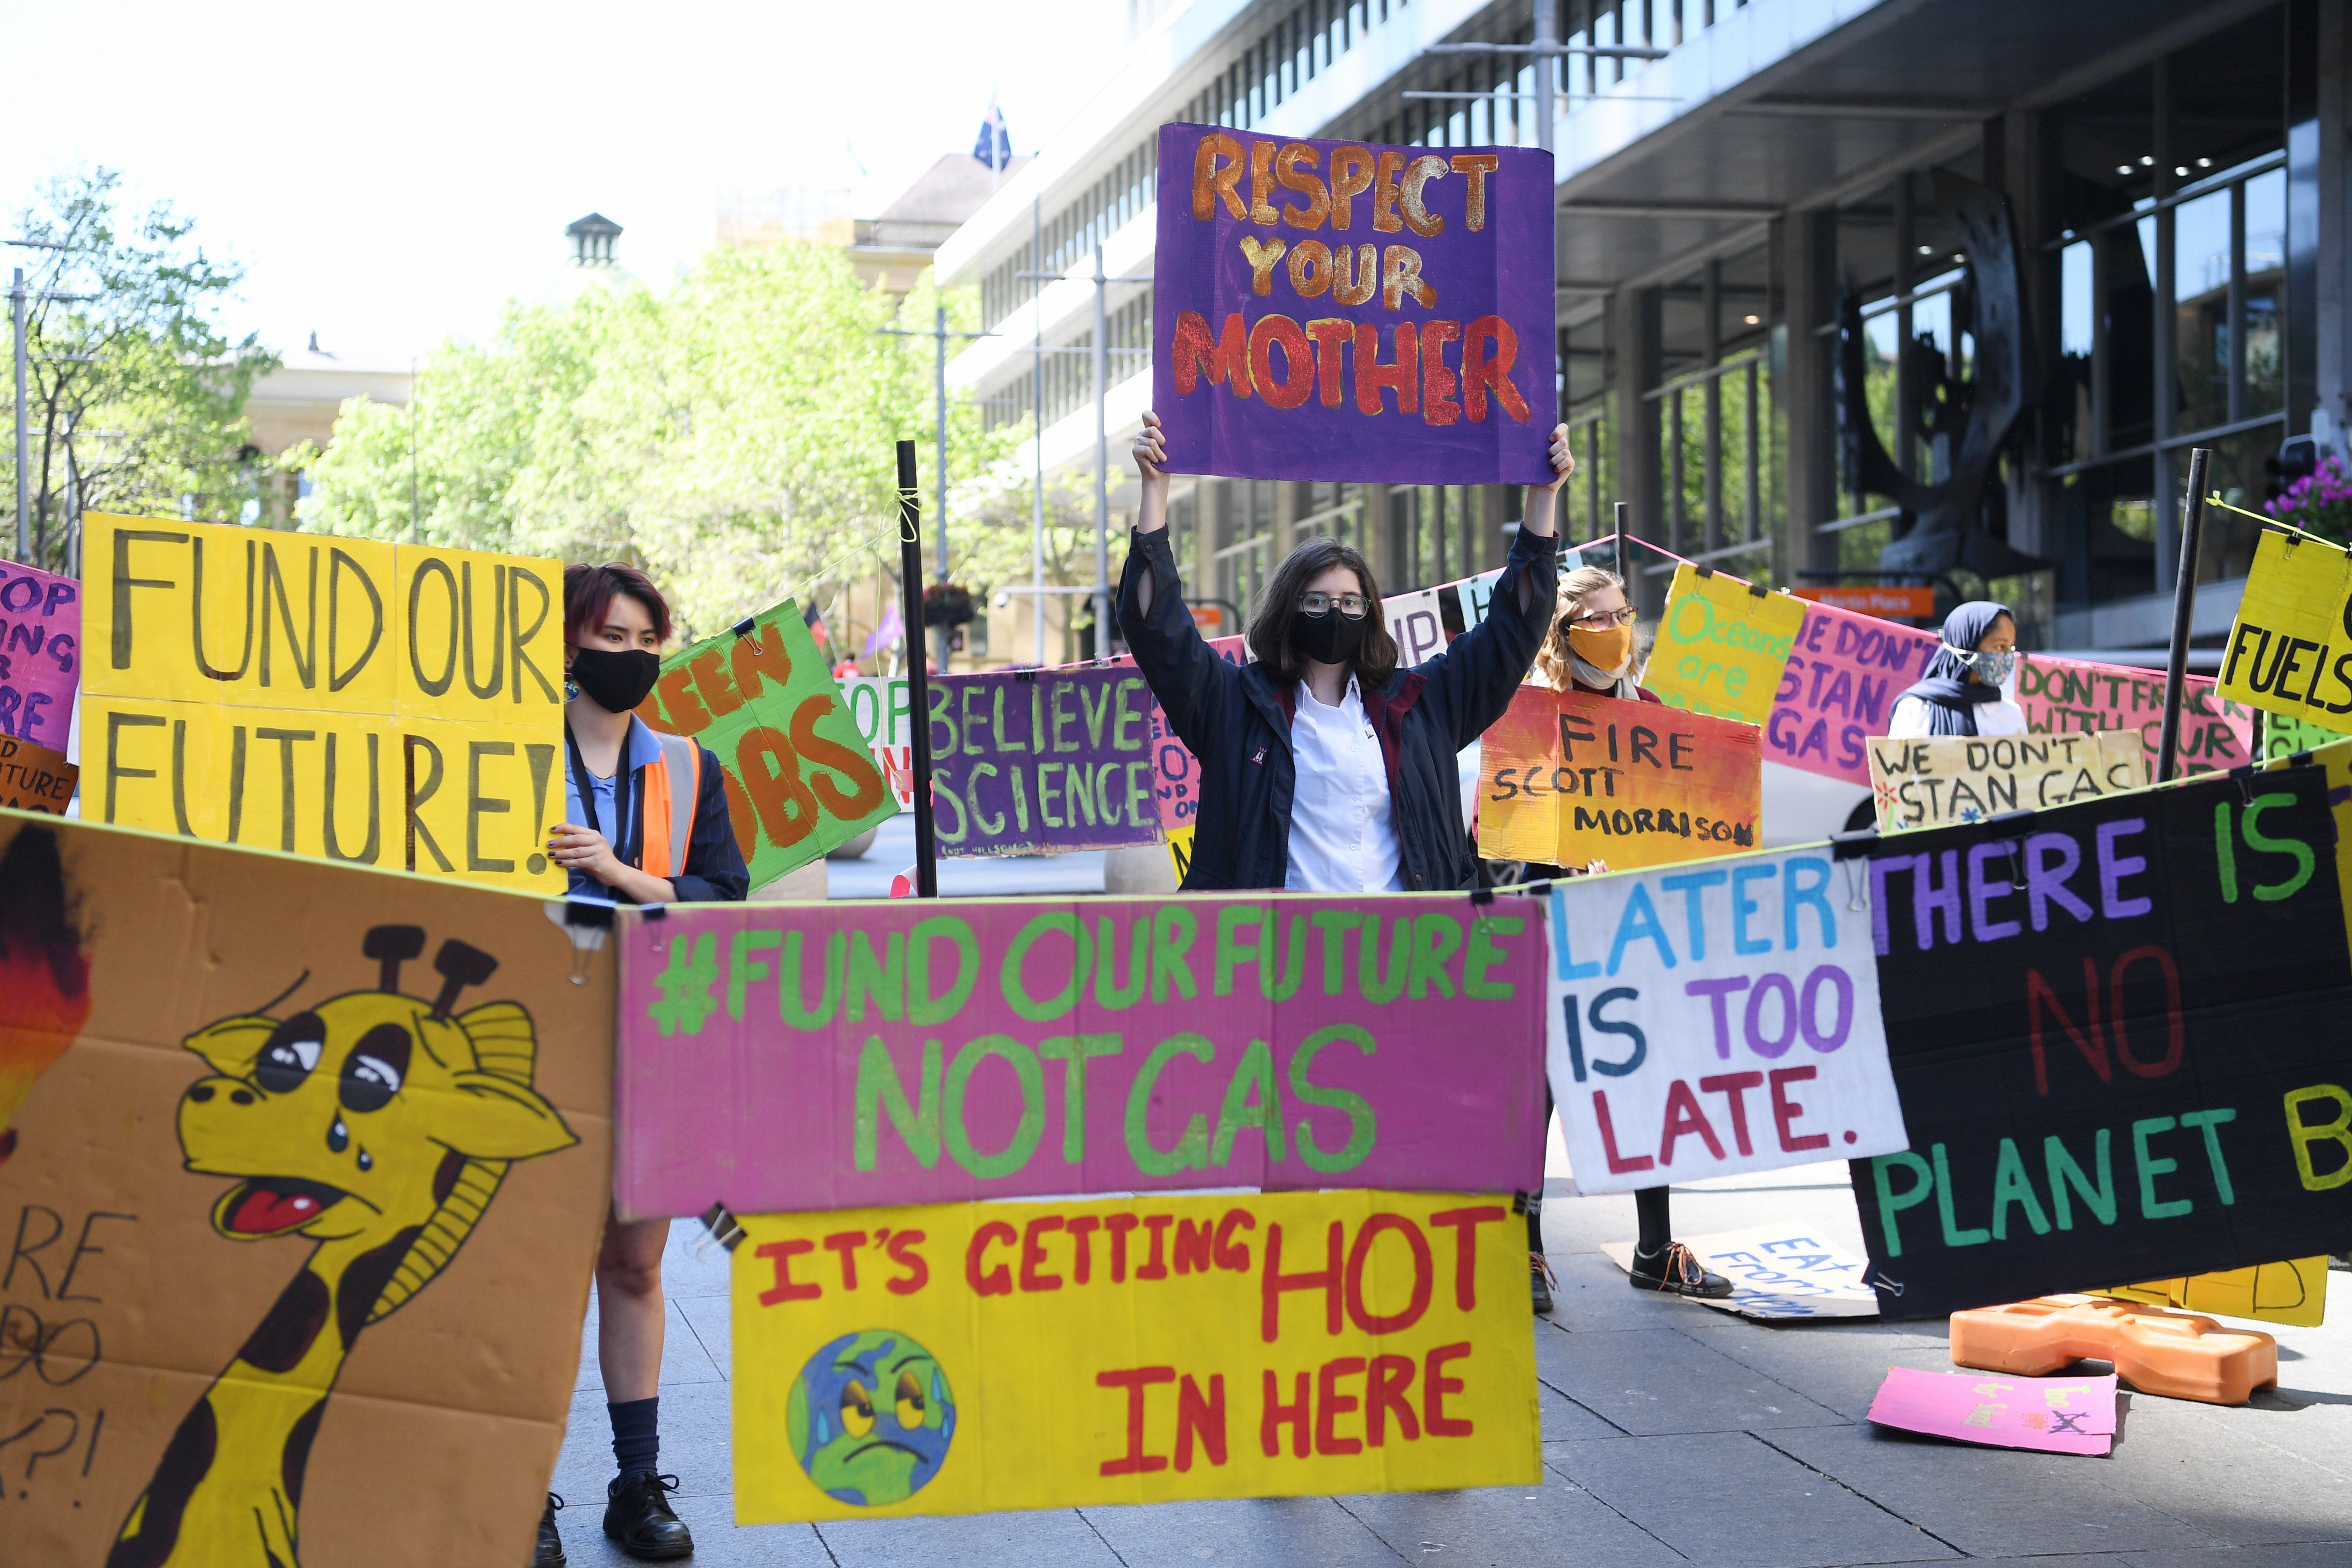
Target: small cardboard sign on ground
{"points": [[1777, 1273], [1566, 778], [2294, 1292], [1967, 778], [801, 780], [2053, 1415], [985, 1357], [35, 778]]}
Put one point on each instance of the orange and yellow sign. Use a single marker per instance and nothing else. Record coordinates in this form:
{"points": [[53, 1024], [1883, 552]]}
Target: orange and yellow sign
{"points": [[1566, 778]]}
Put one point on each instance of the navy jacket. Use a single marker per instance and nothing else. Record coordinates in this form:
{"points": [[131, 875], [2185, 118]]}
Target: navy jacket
{"points": [[1237, 720]]}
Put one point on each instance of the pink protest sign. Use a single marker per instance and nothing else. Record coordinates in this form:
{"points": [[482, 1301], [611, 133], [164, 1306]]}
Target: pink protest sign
{"points": [[2065, 696], [779, 1059], [40, 654], [1179, 788], [2056, 1415], [1839, 686]]}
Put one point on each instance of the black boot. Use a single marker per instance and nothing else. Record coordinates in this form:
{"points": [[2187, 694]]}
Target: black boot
{"points": [[551, 1543], [638, 1516], [1541, 1278]]}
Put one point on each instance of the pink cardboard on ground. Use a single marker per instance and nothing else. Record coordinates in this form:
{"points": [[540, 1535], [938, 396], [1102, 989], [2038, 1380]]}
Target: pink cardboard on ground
{"points": [[2054, 1414], [789, 1058]]}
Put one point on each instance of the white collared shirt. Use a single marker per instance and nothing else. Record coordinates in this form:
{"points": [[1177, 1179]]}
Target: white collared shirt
{"points": [[1343, 836]]}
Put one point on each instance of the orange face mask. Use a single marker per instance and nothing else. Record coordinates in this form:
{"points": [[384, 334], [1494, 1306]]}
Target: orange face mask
{"points": [[1607, 649]]}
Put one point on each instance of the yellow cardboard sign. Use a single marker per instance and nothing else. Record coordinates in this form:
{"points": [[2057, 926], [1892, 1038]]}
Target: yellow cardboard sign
{"points": [[977, 1357], [2290, 649], [2293, 1293], [1722, 645], [387, 705], [1929, 782]]}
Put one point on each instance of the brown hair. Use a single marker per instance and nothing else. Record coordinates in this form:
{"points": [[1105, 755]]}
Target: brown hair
{"points": [[1278, 606], [1578, 585], [588, 592]]}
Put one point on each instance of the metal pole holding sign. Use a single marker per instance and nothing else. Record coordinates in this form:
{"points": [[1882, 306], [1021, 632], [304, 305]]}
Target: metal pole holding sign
{"points": [[2184, 606], [919, 685]]}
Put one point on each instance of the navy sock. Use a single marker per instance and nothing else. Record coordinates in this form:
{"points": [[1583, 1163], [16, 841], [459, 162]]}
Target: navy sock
{"points": [[637, 1435]]}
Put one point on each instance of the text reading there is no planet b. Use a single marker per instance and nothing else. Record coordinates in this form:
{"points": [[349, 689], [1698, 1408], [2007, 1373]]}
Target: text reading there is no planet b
{"points": [[1325, 308]]}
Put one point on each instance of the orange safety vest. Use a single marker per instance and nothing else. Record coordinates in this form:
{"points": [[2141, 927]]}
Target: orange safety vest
{"points": [[668, 793]]}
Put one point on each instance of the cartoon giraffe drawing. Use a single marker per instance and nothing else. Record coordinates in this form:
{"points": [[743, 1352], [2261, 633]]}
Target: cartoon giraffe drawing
{"points": [[379, 1128]]}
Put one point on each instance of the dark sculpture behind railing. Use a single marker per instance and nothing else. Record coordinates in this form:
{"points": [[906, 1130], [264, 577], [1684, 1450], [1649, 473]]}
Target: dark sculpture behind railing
{"points": [[1941, 525]]}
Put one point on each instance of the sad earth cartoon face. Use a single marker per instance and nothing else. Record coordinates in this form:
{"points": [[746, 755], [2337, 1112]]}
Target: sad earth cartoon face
{"points": [[871, 1417]]}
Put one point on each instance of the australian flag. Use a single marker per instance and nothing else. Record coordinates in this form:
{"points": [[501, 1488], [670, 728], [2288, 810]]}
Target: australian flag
{"points": [[995, 146]]}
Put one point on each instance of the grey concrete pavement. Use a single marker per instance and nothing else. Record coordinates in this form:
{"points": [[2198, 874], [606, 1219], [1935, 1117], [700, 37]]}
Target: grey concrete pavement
{"points": [[1672, 1433]]}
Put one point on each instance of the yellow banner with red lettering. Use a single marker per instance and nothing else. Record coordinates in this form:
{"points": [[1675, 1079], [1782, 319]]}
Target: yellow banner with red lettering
{"points": [[975, 1357], [399, 705]]}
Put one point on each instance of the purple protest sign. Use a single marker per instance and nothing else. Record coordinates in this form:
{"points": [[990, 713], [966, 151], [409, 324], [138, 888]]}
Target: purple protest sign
{"points": [[818, 1057], [40, 654], [1345, 309], [1037, 759]]}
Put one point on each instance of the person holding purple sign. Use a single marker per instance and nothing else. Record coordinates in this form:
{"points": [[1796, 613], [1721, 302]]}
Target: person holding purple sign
{"points": [[1325, 768]]}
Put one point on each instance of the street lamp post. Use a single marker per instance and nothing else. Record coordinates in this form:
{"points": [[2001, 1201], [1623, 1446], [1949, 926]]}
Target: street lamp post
{"points": [[939, 334]]}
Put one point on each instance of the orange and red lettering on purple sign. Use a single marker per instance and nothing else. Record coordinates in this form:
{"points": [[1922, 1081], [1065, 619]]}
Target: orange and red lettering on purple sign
{"points": [[1330, 309]]}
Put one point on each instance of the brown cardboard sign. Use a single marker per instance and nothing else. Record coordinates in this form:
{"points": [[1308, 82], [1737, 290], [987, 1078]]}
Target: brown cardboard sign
{"points": [[302, 1169], [35, 778]]}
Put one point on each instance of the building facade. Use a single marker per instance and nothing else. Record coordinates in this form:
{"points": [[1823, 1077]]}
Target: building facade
{"points": [[1924, 291]]}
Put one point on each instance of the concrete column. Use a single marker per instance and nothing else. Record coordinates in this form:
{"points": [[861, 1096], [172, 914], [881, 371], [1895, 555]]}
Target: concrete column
{"points": [[2334, 379], [1380, 539], [2025, 177], [1634, 346], [1809, 408]]}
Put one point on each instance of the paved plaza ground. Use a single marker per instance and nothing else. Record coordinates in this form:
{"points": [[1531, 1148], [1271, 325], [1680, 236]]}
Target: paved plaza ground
{"points": [[1672, 1433]]}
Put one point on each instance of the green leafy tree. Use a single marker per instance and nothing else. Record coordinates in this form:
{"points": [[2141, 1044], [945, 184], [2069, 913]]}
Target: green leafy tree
{"points": [[734, 436], [134, 395]]}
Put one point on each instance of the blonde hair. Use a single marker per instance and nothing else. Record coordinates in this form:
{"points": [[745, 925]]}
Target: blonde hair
{"points": [[1580, 585]]}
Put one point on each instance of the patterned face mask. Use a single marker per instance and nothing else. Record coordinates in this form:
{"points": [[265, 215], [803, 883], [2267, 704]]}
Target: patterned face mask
{"points": [[1992, 669]]}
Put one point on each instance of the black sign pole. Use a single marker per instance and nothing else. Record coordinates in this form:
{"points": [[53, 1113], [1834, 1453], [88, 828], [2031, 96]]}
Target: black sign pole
{"points": [[919, 685], [2184, 605]]}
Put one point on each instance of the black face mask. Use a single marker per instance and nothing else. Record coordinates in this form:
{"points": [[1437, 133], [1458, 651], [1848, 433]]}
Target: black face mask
{"points": [[1329, 638], [615, 681]]}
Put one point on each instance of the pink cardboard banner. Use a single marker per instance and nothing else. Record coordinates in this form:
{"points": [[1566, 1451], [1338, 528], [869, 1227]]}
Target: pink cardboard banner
{"points": [[2055, 1415], [789, 1057], [1839, 686], [40, 654], [2065, 696]]}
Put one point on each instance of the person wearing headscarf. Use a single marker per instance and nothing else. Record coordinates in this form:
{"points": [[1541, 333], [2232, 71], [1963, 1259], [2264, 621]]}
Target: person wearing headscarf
{"points": [[1961, 691]]}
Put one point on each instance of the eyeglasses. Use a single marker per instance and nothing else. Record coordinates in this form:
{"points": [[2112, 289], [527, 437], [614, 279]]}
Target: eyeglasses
{"points": [[1353, 605], [1602, 620]]}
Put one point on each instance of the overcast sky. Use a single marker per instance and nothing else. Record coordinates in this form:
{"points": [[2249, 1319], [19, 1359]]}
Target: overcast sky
{"points": [[390, 175]]}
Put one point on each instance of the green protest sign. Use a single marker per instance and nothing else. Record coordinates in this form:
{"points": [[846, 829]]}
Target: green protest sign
{"points": [[800, 780]]}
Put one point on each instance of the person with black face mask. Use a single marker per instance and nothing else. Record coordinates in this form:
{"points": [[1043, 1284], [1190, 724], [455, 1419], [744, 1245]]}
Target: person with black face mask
{"points": [[645, 822], [1325, 767]]}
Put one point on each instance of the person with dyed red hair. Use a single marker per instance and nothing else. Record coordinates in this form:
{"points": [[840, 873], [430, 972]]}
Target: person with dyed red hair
{"points": [[645, 822]]}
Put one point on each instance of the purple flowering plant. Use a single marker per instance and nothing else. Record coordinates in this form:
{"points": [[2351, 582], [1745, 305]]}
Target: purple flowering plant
{"points": [[2319, 503]]}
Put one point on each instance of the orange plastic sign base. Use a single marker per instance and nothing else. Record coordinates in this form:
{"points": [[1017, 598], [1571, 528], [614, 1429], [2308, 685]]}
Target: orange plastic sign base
{"points": [[2177, 1354]]}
